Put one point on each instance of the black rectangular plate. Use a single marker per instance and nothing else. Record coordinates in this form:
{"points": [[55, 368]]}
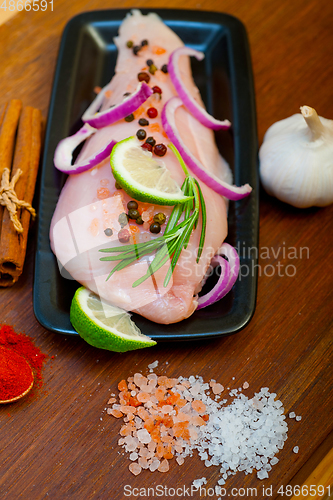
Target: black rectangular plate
{"points": [[87, 58]]}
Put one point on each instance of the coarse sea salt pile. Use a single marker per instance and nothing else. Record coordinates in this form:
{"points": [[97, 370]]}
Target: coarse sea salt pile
{"points": [[171, 417]]}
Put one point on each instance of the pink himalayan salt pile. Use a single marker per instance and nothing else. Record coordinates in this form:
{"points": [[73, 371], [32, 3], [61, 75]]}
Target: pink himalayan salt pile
{"points": [[162, 418], [170, 417]]}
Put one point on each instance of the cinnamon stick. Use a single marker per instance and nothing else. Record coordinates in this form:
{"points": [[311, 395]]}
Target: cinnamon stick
{"points": [[13, 245], [8, 133], [36, 146], [2, 112], [10, 119]]}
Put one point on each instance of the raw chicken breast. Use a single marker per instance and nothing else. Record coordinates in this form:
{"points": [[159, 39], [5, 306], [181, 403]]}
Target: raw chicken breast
{"points": [[90, 203]]}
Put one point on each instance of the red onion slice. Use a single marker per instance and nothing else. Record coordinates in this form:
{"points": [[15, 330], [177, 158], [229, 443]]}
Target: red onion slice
{"points": [[191, 104], [211, 180], [129, 105], [64, 152], [217, 292], [229, 274], [231, 253]]}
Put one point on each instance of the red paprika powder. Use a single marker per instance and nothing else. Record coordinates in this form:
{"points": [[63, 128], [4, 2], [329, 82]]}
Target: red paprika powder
{"points": [[24, 346], [15, 374]]}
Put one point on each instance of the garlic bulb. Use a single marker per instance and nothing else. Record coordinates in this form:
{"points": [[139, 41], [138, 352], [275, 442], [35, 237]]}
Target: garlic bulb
{"points": [[296, 160]]}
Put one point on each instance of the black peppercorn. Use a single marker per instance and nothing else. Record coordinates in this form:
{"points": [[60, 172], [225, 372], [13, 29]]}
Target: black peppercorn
{"points": [[132, 204], [129, 118], [133, 214], [149, 62], [141, 134], [139, 220], [118, 186], [164, 68], [144, 42], [136, 49], [108, 231], [155, 228], [151, 141], [143, 122]]}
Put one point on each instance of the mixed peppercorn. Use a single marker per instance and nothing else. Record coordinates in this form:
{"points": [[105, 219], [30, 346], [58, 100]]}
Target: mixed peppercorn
{"points": [[133, 214], [136, 48], [144, 76], [149, 145], [150, 63]]}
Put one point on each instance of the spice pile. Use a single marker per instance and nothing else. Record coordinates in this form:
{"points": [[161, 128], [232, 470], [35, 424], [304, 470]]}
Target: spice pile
{"points": [[15, 375], [23, 345], [171, 417]]}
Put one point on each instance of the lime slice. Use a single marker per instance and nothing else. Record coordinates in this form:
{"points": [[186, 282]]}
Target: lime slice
{"points": [[105, 326], [142, 176]]}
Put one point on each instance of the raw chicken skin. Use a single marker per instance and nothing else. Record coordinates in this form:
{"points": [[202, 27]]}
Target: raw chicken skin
{"points": [[90, 203]]}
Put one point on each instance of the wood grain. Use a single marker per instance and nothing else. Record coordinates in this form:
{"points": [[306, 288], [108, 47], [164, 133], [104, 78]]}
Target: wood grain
{"points": [[322, 476], [62, 444]]}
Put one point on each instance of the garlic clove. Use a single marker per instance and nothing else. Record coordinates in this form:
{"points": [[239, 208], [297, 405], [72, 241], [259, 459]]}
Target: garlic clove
{"points": [[296, 160]]}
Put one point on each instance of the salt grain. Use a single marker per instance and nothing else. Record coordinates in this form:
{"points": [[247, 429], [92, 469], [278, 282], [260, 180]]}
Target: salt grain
{"points": [[135, 468], [143, 462], [153, 365], [292, 414], [262, 474], [217, 388], [298, 418], [296, 449], [144, 436], [154, 465], [197, 483], [164, 466]]}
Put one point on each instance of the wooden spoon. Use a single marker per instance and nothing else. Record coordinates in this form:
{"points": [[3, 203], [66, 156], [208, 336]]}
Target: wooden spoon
{"points": [[10, 354]]}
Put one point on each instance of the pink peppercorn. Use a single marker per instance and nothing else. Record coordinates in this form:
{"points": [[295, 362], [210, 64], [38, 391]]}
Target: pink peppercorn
{"points": [[124, 236], [152, 112]]}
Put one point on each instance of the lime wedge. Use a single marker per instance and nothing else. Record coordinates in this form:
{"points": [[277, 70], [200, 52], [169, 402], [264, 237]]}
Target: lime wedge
{"points": [[105, 326], [142, 176]]}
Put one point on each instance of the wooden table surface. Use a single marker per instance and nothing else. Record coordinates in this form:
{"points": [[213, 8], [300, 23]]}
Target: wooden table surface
{"points": [[61, 444]]}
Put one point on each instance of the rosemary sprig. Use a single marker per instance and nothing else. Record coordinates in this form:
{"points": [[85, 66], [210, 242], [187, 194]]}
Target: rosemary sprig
{"points": [[176, 235]]}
